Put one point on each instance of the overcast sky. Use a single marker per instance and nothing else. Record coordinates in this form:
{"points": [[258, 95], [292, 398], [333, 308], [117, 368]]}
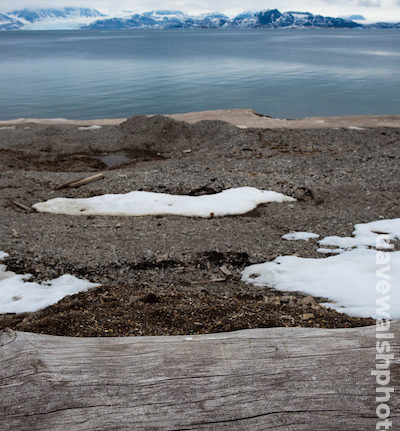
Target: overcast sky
{"points": [[388, 10]]}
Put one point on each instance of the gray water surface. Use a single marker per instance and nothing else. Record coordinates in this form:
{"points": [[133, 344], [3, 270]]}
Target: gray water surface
{"points": [[286, 73]]}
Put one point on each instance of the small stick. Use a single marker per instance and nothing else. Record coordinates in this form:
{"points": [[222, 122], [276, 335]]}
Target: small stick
{"points": [[216, 280], [81, 182], [23, 207]]}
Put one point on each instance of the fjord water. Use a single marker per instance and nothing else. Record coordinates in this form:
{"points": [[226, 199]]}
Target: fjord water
{"points": [[284, 73]]}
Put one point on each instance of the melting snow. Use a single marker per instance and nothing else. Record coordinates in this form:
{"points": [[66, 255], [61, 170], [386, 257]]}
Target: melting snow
{"points": [[367, 235], [355, 128], [89, 128], [229, 202], [3, 255], [300, 236], [349, 279], [330, 250], [18, 295]]}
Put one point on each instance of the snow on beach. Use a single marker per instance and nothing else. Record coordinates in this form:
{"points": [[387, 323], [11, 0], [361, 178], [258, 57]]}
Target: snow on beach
{"points": [[366, 235], [349, 279], [229, 202], [300, 236], [355, 128], [94, 127], [18, 295], [330, 250]]}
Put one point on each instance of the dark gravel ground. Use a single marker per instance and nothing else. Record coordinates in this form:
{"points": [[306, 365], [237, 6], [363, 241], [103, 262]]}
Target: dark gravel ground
{"points": [[155, 271]]}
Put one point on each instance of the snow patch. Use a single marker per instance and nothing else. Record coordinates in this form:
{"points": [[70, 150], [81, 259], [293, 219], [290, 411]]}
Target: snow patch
{"points": [[367, 235], [300, 236], [3, 255], [18, 295], [89, 127], [229, 202], [348, 279], [355, 128], [330, 250]]}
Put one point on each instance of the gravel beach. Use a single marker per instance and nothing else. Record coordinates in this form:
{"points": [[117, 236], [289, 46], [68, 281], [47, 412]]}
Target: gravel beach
{"points": [[156, 272]]}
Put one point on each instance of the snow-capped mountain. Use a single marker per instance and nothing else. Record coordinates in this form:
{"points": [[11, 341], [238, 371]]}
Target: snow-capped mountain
{"points": [[84, 18], [354, 17], [34, 15], [9, 23], [383, 25], [266, 18], [274, 18], [39, 19], [161, 19]]}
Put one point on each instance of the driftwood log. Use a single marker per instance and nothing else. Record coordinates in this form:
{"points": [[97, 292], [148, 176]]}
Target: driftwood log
{"points": [[263, 379]]}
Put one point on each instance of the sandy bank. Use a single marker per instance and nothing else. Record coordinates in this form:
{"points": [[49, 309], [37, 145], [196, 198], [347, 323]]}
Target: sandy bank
{"points": [[245, 118]]}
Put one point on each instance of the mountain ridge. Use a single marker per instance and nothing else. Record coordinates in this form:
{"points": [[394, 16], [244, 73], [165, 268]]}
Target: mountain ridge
{"points": [[86, 18]]}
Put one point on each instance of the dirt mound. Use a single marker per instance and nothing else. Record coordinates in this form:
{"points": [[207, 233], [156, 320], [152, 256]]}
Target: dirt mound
{"points": [[66, 148], [168, 136]]}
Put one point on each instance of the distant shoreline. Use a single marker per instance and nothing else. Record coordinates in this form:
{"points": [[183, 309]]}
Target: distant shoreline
{"points": [[243, 118]]}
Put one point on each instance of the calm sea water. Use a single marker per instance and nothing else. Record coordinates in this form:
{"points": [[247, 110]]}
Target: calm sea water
{"points": [[283, 73]]}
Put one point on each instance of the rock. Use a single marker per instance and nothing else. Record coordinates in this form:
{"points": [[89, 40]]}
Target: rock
{"points": [[308, 316], [288, 299], [285, 299], [151, 298], [135, 298], [308, 301], [274, 300]]}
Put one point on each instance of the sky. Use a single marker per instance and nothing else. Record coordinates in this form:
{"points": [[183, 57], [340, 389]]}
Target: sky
{"points": [[373, 10]]}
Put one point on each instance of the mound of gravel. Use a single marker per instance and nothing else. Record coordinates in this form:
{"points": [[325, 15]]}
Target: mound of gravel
{"points": [[167, 136]]}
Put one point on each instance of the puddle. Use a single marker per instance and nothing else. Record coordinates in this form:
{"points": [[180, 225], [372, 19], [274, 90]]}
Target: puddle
{"points": [[114, 159]]}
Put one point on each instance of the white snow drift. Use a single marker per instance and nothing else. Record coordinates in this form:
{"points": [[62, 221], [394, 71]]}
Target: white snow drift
{"points": [[89, 127], [300, 236], [18, 295], [366, 235], [229, 202], [349, 279]]}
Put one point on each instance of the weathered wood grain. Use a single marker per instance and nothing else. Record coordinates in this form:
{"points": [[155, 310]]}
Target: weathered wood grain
{"points": [[264, 379]]}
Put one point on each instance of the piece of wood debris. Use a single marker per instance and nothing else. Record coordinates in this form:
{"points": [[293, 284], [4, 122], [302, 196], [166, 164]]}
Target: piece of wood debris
{"points": [[23, 206], [80, 182], [215, 280], [224, 269], [300, 379]]}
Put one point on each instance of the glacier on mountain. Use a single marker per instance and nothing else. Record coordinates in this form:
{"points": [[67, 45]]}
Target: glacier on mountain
{"points": [[86, 18]]}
